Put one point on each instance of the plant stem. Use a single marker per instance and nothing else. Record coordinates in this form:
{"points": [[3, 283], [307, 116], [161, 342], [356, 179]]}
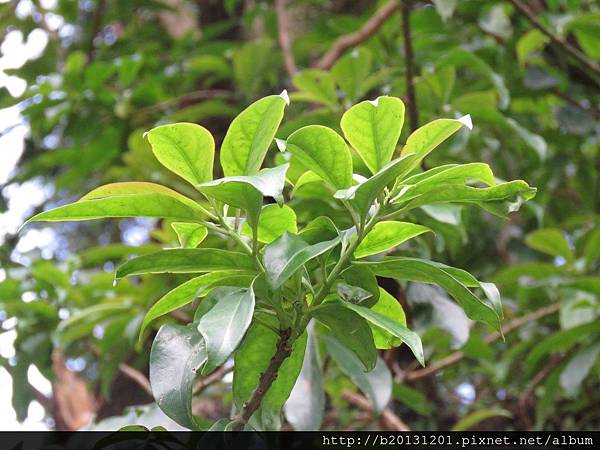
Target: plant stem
{"points": [[284, 349], [409, 58]]}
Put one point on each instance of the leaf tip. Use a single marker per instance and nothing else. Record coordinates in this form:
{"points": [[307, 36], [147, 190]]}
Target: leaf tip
{"points": [[281, 144], [284, 95], [466, 121], [374, 102]]}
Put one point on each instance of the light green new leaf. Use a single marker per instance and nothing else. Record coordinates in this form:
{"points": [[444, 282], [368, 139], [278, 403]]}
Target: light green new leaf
{"points": [[196, 287], [305, 406], [177, 353], [386, 235], [376, 384], [389, 307], [350, 329], [135, 199], [186, 261], [392, 326], [551, 241], [250, 135], [190, 235], [425, 139], [362, 196], [373, 129], [273, 222], [423, 271], [247, 192], [283, 257], [186, 149], [252, 358], [316, 86], [323, 151], [224, 326]]}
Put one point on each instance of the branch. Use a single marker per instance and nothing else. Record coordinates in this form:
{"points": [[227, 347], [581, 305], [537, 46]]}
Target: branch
{"points": [[409, 57], [96, 25], [348, 41], [284, 349], [213, 377], [389, 420], [455, 357], [190, 97], [136, 376], [565, 46], [283, 27]]}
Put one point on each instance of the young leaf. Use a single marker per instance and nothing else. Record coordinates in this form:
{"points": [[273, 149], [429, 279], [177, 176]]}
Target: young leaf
{"points": [[273, 222], [136, 199], [386, 235], [246, 192], [190, 235], [373, 129], [414, 269], [186, 149], [250, 135], [305, 406], [253, 357], [186, 261], [551, 241], [391, 308], [376, 384], [177, 353], [350, 329], [323, 151], [392, 326], [196, 287], [224, 326], [288, 253]]}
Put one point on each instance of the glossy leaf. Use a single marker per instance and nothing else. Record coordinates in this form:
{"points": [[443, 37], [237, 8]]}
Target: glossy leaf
{"points": [[224, 326], [423, 271], [283, 257], [274, 221], [186, 261], [373, 129], [386, 235], [350, 329], [186, 149], [250, 135], [376, 384], [388, 306], [190, 235], [323, 151], [177, 353]]}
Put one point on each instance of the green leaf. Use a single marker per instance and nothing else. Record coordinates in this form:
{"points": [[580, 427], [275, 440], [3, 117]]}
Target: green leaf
{"points": [[252, 358], [250, 135], [472, 419], [323, 151], [315, 86], [190, 235], [351, 71], [392, 326], [177, 353], [551, 241], [135, 199], [350, 329], [246, 192], [224, 326], [364, 278], [530, 42], [186, 149], [388, 306], [423, 271], [373, 129], [386, 235], [196, 287], [321, 228], [283, 257], [186, 261], [363, 195], [305, 407], [273, 222], [578, 368], [425, 139], [376, 384]]}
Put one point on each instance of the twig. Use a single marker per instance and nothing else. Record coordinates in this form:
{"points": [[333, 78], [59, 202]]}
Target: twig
{"points": [[389, 420], [284, 349], [211, 378], [574, 52], [96, 25], [137, 376], [409, 58], [283, 28], [455, 357], [193, 96], [348, 41]]}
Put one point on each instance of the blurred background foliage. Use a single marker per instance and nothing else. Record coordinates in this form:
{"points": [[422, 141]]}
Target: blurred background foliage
{"points": [[82, 81]]}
